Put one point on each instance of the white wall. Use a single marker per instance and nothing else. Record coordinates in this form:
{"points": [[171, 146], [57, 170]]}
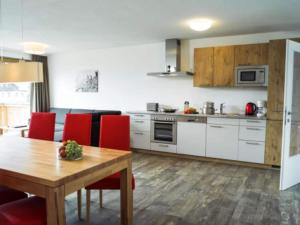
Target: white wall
{"points": [[123, 83]]}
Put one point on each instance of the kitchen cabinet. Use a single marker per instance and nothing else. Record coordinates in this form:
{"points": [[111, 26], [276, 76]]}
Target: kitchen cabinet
{"points": [[273, 142], [253, 54], [223, 75], [204, 67], [140, 131], [252, 135], [163, 147], [191, 138], [222, 141]]}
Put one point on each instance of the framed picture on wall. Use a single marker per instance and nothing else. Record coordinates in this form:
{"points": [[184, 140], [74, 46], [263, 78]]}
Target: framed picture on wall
{"points": [[87, 81]]}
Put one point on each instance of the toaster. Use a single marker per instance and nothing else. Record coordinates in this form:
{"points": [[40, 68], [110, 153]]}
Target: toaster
{"points": [[152, 106]]}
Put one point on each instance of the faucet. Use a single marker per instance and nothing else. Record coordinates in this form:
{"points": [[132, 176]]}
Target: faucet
{"points": [[221, 108]]}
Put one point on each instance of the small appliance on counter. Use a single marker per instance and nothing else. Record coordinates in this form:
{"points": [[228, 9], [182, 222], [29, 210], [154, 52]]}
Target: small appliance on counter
{"points": [[152, 107], [261, 108], [209, 108], [250, 109]]}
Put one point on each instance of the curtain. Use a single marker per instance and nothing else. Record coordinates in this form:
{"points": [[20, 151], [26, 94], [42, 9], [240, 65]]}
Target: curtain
{"points": [[40, 96]]}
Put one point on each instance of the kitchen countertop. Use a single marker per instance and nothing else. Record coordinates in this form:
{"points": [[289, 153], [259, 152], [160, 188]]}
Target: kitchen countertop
{"points": [[230, 116]]}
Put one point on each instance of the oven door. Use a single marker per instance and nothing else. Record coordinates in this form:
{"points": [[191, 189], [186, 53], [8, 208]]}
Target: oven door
{"points": [[164, 132]]}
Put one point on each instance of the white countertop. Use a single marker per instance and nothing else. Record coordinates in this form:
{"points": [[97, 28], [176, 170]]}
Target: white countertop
{"points": [[230, 116]]}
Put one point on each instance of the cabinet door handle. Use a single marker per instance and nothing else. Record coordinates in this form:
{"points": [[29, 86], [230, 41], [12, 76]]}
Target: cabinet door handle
{"points": [[252, 143], [139, 115], [249, 128], [138, 133], [216, 126], [165, 146], [139, 121]]}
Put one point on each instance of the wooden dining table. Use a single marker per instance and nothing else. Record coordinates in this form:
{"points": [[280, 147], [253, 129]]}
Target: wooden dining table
{"points": [[33, 166]]}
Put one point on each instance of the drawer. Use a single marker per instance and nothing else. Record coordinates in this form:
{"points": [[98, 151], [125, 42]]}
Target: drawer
{"points": [[252, 123], [140, 139], [140, 116], [252, 133], [163, 147], [250, 151], [223, 121], [140, 125]]}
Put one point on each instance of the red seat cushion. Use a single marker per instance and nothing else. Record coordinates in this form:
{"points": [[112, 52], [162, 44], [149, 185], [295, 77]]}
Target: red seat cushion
{"points": [[30, 211], [42, 126], [78, 128], [9, 195], [109, 183]]}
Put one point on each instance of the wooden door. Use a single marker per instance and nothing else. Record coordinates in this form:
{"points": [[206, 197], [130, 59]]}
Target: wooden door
{"points": [[223, 66], [204, 67], [273, 142], [254, 54]]}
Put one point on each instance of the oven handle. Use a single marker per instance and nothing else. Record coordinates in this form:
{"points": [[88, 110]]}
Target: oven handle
{"points": [[162, 121]]}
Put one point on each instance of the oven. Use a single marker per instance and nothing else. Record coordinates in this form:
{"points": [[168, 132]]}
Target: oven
{"points": [[164, 130]]}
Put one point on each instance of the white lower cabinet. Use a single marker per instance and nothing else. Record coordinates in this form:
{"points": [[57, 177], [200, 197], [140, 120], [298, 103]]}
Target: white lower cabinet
{"points": [[251, 151], [191, 138], [163, 147], [222, 141], [140, 139]]}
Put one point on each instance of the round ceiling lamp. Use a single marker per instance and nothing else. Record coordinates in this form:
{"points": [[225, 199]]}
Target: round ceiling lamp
{"points": [[35, 48], [200, 24]]}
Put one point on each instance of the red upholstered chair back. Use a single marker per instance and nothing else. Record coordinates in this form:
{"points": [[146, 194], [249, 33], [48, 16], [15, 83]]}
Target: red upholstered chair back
{"points": [[42, 125], [78, 128], [115, 132]]}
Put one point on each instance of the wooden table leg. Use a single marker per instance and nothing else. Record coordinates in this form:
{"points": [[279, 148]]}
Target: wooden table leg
{"points": [[126, 195], [55, 201]]}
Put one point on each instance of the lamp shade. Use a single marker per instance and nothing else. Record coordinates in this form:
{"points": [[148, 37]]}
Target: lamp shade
{"points": [[21, 72]]}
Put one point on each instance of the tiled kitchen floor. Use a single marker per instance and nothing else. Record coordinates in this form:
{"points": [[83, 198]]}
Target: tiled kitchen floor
{"points": [[172, 191]]}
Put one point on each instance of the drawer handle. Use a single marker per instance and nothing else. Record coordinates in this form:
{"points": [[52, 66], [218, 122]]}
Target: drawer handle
{"points": [[139, 121], [253, 121], [138, 115], [252, 143], [216, 126], [138, 133], [165, 146], [248, 128]]}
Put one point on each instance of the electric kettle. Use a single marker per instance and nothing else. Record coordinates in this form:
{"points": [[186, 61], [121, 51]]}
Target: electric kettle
{"points": [[250, 109]]}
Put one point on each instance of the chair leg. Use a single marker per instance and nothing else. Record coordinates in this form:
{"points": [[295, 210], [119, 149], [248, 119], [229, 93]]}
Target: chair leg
{"points": [[101, 198], [79, 204], [88, 205]]}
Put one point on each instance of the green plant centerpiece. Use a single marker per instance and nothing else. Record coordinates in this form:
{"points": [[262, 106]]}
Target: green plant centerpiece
{"points": [[70, 150]]}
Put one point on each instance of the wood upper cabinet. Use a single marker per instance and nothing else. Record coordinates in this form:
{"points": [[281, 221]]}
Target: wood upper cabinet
{"points": [[223, 66], [273, 142], [214, 67], [253, 54], [204, 67]]}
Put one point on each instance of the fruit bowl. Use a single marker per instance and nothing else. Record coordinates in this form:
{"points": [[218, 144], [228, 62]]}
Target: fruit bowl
{"points": [[70, 150]]}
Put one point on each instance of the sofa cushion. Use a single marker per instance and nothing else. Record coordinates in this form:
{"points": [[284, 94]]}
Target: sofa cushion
{"points": [[81, 111], [60, 114]]}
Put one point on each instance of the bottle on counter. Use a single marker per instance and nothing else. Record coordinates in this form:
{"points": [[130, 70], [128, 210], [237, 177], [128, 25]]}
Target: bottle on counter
{"points": [[186, 105]]}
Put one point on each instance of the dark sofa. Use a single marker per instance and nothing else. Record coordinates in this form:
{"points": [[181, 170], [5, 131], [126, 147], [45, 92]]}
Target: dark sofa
{"points": [[96, 118]]}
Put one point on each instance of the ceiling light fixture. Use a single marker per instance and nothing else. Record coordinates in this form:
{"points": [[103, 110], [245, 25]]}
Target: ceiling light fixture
{"points": [[200, 24], [35, 48]]}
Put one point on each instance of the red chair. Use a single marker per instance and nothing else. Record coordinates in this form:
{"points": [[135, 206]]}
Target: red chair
{"points": [[115, 134], [30, 211], [78, 128], [10, 195], [42, 126]]}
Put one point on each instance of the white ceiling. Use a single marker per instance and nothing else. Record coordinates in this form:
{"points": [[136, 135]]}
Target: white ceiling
{"points": [[68, 25]]}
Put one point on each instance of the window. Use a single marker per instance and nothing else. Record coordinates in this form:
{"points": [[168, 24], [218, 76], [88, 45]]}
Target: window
{"points": [[14, 104]]}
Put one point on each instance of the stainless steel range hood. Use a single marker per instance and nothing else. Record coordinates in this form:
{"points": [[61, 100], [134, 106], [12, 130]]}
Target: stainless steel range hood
{"points": [[174, 61]]}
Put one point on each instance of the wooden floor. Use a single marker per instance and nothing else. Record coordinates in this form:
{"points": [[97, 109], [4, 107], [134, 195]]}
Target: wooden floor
{"points": [[172, 191]]}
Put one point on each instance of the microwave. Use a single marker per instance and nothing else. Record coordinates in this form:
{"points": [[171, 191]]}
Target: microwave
{"points": [[251, 76]]}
